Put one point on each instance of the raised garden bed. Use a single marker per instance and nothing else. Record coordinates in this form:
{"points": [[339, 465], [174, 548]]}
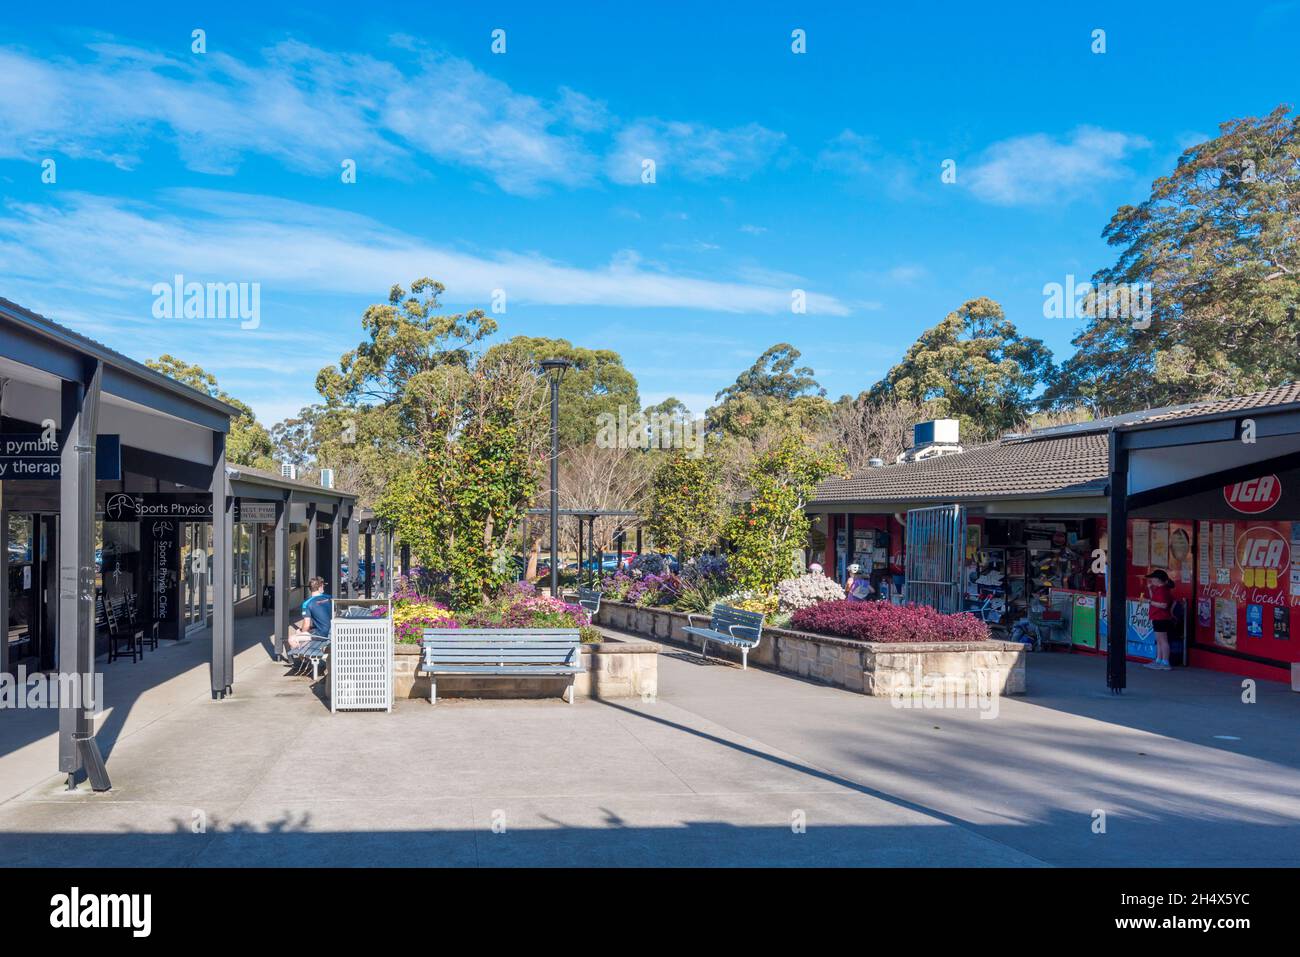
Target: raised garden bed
{"points": [[616, 668], [888, 669]]}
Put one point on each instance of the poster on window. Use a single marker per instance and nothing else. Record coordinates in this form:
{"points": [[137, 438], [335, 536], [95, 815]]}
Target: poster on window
{"points": [[1141, 548], [1141, 636]]}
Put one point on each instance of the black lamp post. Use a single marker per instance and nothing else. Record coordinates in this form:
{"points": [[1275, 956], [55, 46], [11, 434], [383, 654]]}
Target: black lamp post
{"points": [[555, 369]]}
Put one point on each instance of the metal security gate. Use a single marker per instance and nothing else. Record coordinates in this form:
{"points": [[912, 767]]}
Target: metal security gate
{"points": [[936, 539]]}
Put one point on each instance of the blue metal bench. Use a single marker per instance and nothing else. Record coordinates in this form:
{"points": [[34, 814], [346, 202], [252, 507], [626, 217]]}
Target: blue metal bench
{"points": [[501, 653], [589, 599], [315, 653], [731, 626]]}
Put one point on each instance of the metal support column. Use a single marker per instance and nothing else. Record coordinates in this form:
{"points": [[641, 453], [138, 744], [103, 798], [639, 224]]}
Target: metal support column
{"points": [[1117, 569], [353, 558], [597, 553], [311, 541], [4, 583], [370, 565], [336, 543], [281, 575], [582, 564], [638, 541], [223, 573], [80, 419]]}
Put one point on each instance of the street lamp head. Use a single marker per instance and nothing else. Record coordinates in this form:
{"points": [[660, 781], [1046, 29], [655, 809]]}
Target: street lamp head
{"points": [[555, 368]]}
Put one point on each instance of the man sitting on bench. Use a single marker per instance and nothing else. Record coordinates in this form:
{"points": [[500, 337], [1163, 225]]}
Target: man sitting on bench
{"points": [[315, 621]]}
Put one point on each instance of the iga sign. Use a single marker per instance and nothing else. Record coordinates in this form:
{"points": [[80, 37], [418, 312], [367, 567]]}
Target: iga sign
{"points": [[1263, 555], [1253, 497]]}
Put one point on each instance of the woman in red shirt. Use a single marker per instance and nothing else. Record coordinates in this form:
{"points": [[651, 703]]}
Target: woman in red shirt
{"points": [[1160, 594]]}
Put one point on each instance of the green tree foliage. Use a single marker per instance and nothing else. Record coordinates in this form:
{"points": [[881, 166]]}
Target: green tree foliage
{"points": [[248, 442], [973, 366], [1219, 241], [773, 375], [597, 383], [766, 530], [686, 504], [458, 504], [410, 342]]}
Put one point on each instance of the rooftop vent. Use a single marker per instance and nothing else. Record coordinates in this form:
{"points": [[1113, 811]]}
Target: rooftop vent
{"points": [[288, 470], [875, 463]]}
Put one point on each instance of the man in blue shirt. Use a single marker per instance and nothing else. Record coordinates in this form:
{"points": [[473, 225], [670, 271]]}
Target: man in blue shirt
{"points": [[316, 613]]}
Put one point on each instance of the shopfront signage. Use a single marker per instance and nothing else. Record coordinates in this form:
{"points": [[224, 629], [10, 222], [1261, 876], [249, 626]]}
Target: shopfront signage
{"points": [[258, 512], [36, 456], [1255, 496], [181, 507], [1263, 555]]}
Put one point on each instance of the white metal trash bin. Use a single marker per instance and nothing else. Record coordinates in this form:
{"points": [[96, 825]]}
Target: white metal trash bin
{"points": [[361, 656]]}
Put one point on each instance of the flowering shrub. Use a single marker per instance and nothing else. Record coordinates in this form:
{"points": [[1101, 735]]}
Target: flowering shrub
{"points": [[651, 563], [806, 591], [615, 587], [517, 608], [881, 621], [413, 613], [655, 590], [751, 601], [706, 566]]}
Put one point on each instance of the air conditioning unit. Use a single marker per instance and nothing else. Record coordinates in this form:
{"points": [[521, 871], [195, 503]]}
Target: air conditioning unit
{"points": [[326, 478], [288, 470], [931, 439]]}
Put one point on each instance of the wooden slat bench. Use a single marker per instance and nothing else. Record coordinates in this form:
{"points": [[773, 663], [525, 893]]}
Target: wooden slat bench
{"points": [[501, 653], [731, 626]]}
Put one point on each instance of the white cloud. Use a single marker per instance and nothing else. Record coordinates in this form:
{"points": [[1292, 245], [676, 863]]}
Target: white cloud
{"points": [[690, 150], [118, 250], [310, 108], [862, 160], [1037, 169]]}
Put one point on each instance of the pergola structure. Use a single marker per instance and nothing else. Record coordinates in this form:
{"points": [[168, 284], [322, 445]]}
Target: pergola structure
{"points": [[589, 516], [379, 540]]}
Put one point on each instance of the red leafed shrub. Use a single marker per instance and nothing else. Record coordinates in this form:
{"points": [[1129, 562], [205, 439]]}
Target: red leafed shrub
{"points": [[881, 621]]}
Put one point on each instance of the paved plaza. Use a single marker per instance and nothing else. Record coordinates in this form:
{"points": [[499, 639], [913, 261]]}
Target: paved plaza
{"points": [[727, 767]]}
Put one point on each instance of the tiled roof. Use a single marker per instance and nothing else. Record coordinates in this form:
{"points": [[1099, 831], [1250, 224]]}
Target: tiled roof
{"points": [[1281, 395], [1010, 468], [1065, 460]]}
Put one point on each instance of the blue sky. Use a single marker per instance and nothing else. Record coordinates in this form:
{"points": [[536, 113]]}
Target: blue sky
{"points": [[522, 171]]}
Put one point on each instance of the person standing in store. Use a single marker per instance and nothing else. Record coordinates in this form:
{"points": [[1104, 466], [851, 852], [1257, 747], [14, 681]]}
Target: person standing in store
{"points": [[1160, 595]]}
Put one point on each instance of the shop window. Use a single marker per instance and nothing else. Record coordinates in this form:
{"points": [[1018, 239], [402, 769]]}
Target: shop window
{"points": [[245, 561]]}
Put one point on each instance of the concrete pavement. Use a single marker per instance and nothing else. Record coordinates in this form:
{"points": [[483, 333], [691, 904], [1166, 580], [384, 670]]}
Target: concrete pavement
{"points": [[727, 767]]}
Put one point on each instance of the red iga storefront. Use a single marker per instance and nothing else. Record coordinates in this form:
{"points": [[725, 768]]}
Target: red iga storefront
{"points": [[1231, 552]]}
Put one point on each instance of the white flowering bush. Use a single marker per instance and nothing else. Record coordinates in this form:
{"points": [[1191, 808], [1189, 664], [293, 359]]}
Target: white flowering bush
{"points": [[806, 591]]}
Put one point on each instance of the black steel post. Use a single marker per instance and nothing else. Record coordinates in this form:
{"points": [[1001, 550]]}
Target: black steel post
{"points": [[1117, 569], [281, 575], [369, 570], [555, 486], [353, 557], [582, 565], [336, 550]]}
